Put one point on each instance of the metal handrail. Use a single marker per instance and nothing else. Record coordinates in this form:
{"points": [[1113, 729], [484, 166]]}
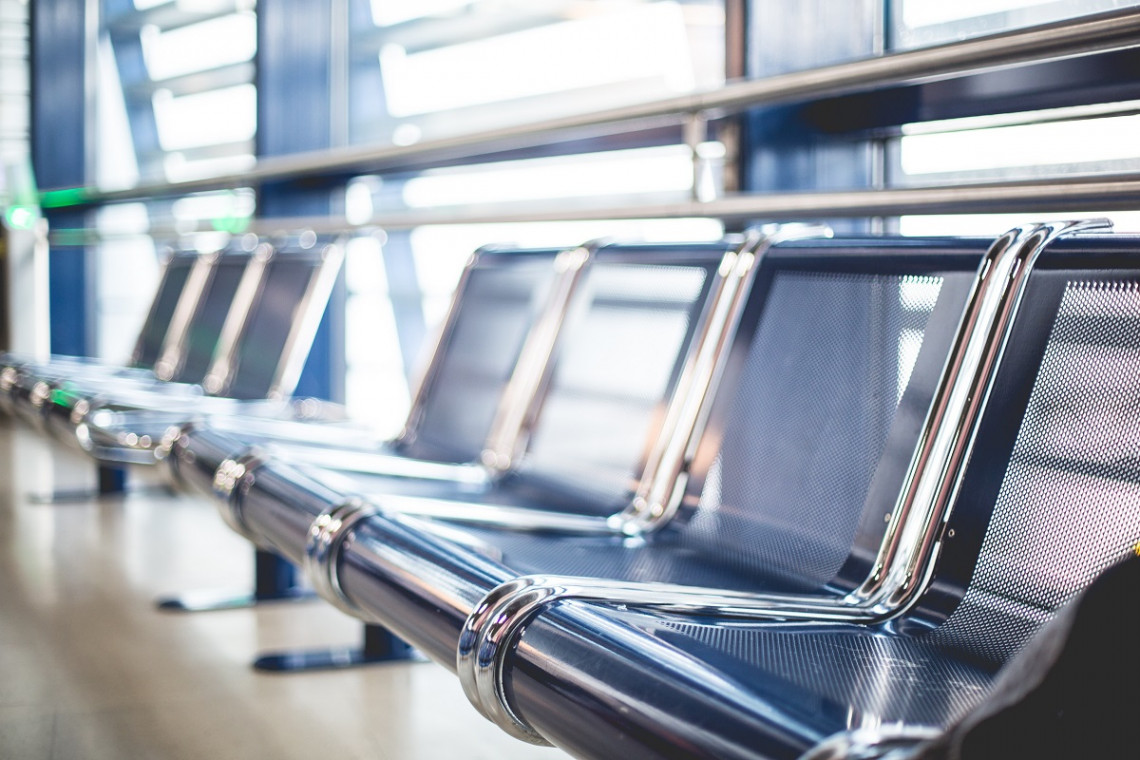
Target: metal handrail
{"points": [[1083, 36], [1061, 195]]}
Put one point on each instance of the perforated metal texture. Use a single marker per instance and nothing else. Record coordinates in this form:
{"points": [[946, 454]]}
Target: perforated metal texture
{"points": [[876, 676], [496, 310], [261, 345], [829, 360], [205, 326], [618, 354], [662, 559], [157, 322], [1069, 505]]}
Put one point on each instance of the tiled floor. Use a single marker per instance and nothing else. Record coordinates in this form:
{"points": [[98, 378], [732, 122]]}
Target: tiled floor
{"points": [[90, 669]]}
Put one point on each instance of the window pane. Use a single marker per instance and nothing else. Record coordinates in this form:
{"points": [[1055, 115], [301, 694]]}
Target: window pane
{"points": [[1046, 144], [447, 67], [919, 23], [198, 47], [1031, 145], [207, 118]]}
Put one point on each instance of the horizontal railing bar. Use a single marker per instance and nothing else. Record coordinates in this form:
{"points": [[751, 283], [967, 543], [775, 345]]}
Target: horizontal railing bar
{"points": [[1091, 34], [1072, 194], [227, 75]]}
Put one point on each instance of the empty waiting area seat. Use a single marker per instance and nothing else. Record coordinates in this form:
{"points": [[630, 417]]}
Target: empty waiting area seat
{"points": [[595, 396], [905, 441], [244, 336]]}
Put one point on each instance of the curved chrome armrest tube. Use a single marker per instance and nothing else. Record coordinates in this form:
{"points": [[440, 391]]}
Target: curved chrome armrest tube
{"points": [[884, 743], [194, 455], [376, 565]]}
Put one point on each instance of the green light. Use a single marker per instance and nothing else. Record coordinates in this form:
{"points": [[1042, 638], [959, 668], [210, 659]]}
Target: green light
{"points": [[20, 217], [61, 397], [232, 223], [60, 198]]}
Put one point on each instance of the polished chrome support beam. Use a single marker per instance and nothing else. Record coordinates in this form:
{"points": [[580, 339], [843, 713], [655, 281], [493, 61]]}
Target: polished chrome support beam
{"points": [[1082, 36], [227, 484]]}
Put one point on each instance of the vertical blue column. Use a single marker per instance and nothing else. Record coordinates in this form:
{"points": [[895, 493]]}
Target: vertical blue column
{"points": [[294, 115], [781, 151], [59, 159]]}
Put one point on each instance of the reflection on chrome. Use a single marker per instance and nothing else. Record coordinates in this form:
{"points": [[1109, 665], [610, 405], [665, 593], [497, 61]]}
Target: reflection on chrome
{"points": [[322, 548], [883, 743]]}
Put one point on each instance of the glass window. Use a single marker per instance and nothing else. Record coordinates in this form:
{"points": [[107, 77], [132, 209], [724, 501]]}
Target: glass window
{"points": [[14, 111], [431, 69], [206, 45], [206, 118], [175, 100], [1029, 145], [1020, 146], [919, 23]]}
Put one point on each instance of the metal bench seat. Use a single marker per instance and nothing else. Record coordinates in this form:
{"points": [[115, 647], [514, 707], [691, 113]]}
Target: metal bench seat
{"points": [[592, 393], [502, 297], [1040, 495], [189, 338], [245, 337], [832, 364], [182, 274]]}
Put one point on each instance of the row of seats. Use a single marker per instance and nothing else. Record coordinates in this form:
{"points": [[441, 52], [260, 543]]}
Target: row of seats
{"points": [[778, 496], [225, 329]]}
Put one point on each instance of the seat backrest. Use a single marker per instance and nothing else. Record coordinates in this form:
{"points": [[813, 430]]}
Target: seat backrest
{"points": [[826, 386], [172, 285], [498, 298], [269, 329], [632, 325], [196, 326], [1051, 494]]}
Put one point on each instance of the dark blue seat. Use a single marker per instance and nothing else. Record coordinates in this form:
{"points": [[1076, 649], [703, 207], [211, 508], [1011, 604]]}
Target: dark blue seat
{"points": [[244, 337], [1046, 495], [592, 398], [182, 274], [820, 404], [505, 303]]}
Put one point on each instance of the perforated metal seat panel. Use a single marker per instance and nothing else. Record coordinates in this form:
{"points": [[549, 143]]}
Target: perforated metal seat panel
{"points": [[170, 287], [500, 302], [665, 559], [1066, 505], [205, 327], [629, 331], [259, 353], [830, 360], [1050, 498], [729, 691]]}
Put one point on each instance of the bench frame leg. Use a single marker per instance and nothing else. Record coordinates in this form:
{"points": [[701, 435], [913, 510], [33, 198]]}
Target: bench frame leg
{"points": [[111, 482], [379, 646], [274, 580]]}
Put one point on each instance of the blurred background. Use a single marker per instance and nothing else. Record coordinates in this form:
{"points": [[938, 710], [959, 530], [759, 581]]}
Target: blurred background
{"points": [[140, 120]]}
